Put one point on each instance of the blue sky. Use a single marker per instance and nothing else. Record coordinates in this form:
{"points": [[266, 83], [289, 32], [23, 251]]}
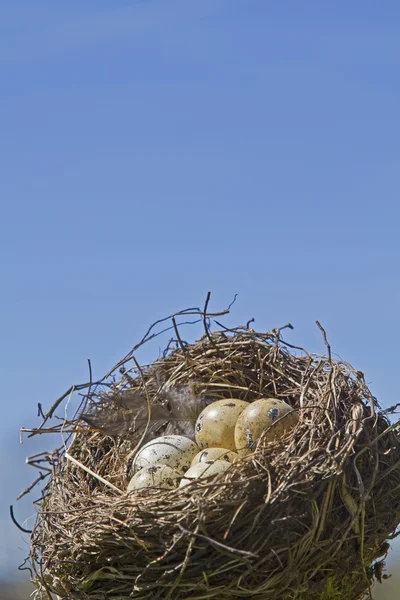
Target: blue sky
{"points": [[152, 151]]}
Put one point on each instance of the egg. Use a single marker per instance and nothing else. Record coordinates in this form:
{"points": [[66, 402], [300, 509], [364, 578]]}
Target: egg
{"points": [[204, 469], [175, 451], [159, 476], [215, 454], [215, 426], [259, 416]]}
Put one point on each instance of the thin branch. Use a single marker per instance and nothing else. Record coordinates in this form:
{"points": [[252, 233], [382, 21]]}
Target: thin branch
{"points": [[325, 340], [29, 488], [182, 345], [233, 302], [90, 472], [14, 520], [215, 543], [206, 326]]}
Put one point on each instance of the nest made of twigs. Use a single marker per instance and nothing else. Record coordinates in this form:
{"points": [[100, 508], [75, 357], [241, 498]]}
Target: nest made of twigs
{"points": [[306, 517]]}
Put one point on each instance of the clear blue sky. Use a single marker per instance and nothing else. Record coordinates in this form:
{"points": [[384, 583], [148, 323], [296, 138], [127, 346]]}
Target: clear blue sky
{"points": [[154, 150]]}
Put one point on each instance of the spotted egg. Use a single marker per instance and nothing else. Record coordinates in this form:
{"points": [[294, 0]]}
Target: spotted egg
{"points": [[159, 476], [215, 426], [215, 454], [175, 451], [270, 415], [204, 469]]}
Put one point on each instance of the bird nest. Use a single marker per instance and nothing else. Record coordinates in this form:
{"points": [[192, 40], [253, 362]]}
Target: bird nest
{"points": [[306, 516]]}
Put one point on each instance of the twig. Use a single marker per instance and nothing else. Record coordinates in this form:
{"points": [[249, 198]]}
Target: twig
{"points": [[325, 340], [29, 488], [182, 345], [215, 543], [206, 327], [79, 464], [132, 452], [56, 404], [14, 520], [146, 338], [287, 326], [233, 302]]}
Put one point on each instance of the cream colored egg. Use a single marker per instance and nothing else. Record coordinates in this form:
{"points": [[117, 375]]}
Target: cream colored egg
{"points": [[215, 426], [269, 414], [204, 469], [215, 454], [175, 451], [160, 476]]}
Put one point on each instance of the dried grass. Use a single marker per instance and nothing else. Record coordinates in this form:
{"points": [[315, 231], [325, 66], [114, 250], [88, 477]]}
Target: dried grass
{"points": [[307, 517]]}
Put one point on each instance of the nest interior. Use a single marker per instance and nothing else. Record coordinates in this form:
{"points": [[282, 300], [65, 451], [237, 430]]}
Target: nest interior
{"points": [[308, 516]]}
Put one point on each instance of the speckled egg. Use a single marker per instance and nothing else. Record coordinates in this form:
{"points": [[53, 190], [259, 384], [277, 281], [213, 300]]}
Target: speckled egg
{"points": [[215, 454], [259, 416], [175, 451], [204, 469], [215, 426], [160, 476]]}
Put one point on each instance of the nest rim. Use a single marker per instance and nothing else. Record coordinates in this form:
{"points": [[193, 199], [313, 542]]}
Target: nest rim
{"points": [[328, 489]]}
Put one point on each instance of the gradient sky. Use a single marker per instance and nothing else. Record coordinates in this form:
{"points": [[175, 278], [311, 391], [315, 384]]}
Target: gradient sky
{"points": [[154, 150]]}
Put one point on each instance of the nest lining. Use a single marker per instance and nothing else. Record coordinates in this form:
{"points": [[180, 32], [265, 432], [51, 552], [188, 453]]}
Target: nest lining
{"points": [[305, 517]]}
